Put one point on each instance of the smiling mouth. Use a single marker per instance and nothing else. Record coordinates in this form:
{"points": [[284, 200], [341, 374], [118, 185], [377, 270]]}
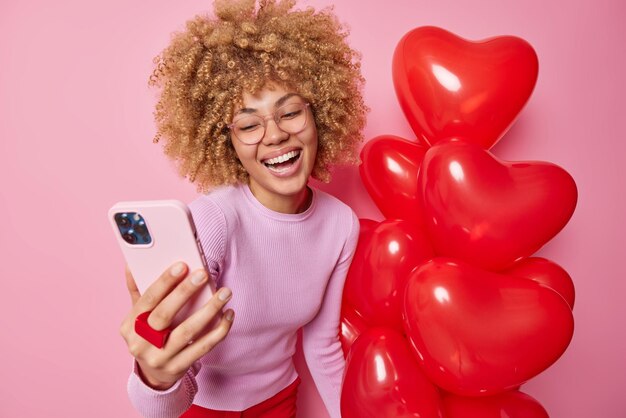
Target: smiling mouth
{"points": [[283, 162]]}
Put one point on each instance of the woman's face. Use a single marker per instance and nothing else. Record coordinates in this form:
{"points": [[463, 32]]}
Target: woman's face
{"points": [[271, 180]]}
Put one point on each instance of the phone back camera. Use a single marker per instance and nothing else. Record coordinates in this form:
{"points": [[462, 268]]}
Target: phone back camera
{"points": [[133, 228]]}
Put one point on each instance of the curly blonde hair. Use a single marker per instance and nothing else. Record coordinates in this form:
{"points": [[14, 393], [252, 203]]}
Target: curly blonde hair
{"points": [[204, 71]]}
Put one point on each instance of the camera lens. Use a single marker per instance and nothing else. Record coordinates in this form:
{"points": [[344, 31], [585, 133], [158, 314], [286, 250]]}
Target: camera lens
{"points": [[141, 228], [122, 220], [142, 231], [129, 238]]}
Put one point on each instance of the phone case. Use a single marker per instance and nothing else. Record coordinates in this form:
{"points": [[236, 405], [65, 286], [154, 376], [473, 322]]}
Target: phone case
{"points": [[172, 237]]}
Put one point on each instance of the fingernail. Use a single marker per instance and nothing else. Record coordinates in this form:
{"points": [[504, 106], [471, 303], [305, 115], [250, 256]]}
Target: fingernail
{"points": [[224, 294], [197, 277], [229, 315], [177, 269]]}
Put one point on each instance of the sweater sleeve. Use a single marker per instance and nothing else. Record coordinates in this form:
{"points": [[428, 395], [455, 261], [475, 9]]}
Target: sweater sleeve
{"points": [[320, 337], [170, 403]]}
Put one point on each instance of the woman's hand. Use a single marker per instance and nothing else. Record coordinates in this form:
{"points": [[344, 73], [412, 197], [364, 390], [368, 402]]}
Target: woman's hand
{"points": [[162, 368]]}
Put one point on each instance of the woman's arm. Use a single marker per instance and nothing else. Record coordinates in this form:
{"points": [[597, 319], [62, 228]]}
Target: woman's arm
{"points": [[172, 402], [162, 384], [320, 337]]}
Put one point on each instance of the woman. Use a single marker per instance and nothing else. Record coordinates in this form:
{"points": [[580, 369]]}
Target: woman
{"points": [[253, 102]]}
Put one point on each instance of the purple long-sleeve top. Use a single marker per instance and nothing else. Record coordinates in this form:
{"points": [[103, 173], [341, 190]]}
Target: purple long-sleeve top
{"points": [[286, 272]]}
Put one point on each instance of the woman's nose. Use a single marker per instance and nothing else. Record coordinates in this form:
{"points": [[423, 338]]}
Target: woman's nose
{"points": [[273, 133]]}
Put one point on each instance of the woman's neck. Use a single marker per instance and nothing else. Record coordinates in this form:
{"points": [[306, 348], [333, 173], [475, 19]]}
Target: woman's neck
{"points": [[296, 203]]}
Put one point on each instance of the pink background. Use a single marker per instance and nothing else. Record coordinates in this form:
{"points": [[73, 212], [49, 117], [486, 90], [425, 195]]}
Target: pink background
{"points": [[75, 136]]}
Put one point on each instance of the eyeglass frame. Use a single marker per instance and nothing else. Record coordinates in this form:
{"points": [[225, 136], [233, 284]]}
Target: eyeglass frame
{"points": [[272, 116]]}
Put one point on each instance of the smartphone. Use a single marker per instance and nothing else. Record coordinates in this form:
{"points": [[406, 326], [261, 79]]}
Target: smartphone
{"points": [[155, 234]]}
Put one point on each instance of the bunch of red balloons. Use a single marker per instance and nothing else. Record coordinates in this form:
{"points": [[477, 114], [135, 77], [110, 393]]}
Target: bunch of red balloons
{"points": [[445, 311]]}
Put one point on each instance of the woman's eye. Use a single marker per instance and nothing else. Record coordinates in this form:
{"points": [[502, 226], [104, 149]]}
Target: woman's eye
{"points": [[290, 115], [248, 127]]}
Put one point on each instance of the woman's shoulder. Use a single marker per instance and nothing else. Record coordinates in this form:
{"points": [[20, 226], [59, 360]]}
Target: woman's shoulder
{"points": [[216, 194], [217, 205], [336, 215], [220, 198], [330, 203]]}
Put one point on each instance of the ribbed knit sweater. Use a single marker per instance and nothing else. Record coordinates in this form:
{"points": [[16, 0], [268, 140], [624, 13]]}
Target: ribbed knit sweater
{"points": [[286, 272]]}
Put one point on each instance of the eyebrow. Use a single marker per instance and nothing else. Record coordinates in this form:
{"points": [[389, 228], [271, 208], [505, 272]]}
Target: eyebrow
{"points": [[278, 103]]}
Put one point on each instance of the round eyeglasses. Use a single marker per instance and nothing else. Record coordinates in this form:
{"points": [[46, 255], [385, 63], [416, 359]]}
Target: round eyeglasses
{"points": [[290, 118]]}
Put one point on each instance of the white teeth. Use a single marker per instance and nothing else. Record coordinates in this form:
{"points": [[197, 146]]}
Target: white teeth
{"points": [[278, 170], [282, 158]]}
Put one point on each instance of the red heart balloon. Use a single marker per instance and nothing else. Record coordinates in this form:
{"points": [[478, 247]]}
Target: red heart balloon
{"points": [[389, 172], [382, 380], [480, 333], [352, 325], [380, 269], [489, 212], [367, 225], [547, 273], [512, 404], [449, 87]]}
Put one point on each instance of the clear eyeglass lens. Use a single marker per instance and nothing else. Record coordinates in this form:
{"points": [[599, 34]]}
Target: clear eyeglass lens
{"points": [[290, 118]]}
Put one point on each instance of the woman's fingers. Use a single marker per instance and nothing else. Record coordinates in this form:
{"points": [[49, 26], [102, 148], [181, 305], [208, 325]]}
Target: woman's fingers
{"points": [[204, 344], [191, 327], [164, 298], [132, 286], [160, 289], [163, 314]]}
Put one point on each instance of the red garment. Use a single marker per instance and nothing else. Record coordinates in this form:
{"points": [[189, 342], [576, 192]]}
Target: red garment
{"points": [[281, 405]]}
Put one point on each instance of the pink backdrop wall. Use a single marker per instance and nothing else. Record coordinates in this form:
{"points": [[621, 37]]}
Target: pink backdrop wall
{"points": [[75, 136]]}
